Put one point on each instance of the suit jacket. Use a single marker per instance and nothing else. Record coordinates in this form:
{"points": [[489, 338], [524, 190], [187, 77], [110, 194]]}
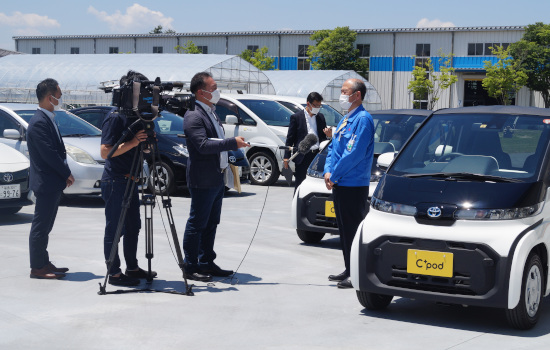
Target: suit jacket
{"points": [[297, 131], [49, 172], [203, 163]]}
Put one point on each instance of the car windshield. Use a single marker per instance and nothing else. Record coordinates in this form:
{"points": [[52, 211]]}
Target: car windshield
{"points": [[332, 116], [271, 112], [169, 124], [69, 124], [317, 166], [392, 130], [497, 146]]}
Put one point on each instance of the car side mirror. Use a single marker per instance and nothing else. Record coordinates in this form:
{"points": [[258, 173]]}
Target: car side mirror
{"points": [[385, 159], [12, 134], [231, 120]]}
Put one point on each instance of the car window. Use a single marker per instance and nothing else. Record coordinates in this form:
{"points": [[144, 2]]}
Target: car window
{"points": [[7, 122], [392, 130], [294, 108], [245, 118], [93, 117], [169, 124], [332, 116], [271, 112], [225, 108], [69, 124]]}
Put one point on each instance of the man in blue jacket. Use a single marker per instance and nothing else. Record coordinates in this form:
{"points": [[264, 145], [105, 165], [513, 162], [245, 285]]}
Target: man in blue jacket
{"points": [[207, 167], [49, 176], [347, 169]]}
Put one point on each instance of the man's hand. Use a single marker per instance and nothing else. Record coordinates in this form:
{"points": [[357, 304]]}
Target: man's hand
{"points": [[328, 183], [285, 163], [240, 142], [70, 180], [140, 136], [328, 132]]}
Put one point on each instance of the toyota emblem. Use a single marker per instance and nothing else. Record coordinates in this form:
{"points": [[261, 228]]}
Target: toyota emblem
{"points": [[434, 212], [8, 177]]}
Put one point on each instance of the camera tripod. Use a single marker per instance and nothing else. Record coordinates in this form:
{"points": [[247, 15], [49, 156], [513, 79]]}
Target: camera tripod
{"points": [[148, 201]]}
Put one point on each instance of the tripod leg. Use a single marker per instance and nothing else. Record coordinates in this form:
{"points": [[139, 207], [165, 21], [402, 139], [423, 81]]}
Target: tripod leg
{"points": [[148, 202]]}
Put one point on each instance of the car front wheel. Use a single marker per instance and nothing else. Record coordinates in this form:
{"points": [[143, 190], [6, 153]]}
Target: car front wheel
{"points": [[165, 183], [526, 314], [264, 170], [310, 236], [373, 301]]}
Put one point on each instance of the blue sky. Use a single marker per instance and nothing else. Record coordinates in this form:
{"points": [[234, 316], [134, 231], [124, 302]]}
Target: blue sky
{"points": [[74, 17]]}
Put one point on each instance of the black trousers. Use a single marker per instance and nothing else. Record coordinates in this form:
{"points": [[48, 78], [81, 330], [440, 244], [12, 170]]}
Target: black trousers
{"points": [[351, 206], [45, 211], [300, 170]]}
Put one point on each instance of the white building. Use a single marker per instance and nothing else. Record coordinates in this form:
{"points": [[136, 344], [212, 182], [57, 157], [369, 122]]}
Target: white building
{"points": [[391, 54]]}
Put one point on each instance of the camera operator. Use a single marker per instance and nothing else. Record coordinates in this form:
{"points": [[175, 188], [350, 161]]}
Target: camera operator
{"points": [[118, 171], [207, 168]]}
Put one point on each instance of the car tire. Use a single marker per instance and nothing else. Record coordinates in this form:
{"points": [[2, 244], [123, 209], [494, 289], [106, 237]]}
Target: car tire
{"points": [[526, 314], [373, 301], [165, 183], [310, 236], [264, 169], [9, 211]]}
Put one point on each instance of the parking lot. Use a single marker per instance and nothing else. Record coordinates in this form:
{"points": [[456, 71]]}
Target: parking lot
{"points": [[280, 297]]}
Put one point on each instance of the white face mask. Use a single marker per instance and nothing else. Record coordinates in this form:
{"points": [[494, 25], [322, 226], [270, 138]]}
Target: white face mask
{"points": [[344, 102], [315, 110], [215, 96], [59, 103]]}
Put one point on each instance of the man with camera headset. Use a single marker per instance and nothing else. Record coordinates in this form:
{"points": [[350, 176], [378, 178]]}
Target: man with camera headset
{"points": [[117, 173], [207, 168]]}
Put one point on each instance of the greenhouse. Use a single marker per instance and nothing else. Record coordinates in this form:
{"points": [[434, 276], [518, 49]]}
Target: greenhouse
{"points": [[326, 82], [80, 76]]}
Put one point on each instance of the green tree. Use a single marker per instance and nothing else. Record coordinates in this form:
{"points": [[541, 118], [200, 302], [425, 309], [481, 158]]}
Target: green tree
{"points": [[259, 58], [335, 49], [505, 77], [156, 30], [189, 47], [427, 84], [533, 54]]}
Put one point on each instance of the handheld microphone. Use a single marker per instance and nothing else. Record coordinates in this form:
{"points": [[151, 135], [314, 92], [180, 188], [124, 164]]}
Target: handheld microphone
{"points": [[305, 145]]}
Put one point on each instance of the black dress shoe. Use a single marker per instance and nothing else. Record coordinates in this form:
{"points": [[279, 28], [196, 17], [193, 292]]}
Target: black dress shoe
{"points": [[140, 273], [123, 280], [338, 278], [215, 270], [195, 276], [345, 284]]}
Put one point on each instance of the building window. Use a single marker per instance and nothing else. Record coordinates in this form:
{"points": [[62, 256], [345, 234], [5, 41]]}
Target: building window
{"points": [[364, 53], [36, 51], [422, 55], [157, 49], [113, 49], [253, 48], [484, 49], [75, 50], [303, 63], [203, 49]]}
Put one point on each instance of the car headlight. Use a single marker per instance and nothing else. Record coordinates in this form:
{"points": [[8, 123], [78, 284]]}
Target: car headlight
{"points": [[315, 173], [498, 214], [79, 155], [181, 149], [395, 208]]}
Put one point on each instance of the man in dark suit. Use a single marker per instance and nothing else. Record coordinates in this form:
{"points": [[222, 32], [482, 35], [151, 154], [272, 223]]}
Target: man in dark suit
{"points": [[207, 170], [49, 176], [307, 121]]}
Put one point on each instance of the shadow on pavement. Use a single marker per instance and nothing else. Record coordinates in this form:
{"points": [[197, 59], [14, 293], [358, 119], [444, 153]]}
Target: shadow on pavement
{"points": [[81, 276], [83, 201], [333, 242], [16, 219], [472, 318]]}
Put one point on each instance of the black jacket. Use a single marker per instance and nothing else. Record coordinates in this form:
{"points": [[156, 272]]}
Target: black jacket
{"points": [[297, 131], [203, 164]]}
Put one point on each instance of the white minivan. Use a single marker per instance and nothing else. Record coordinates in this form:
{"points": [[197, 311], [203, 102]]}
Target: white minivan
{"points": [[460, 216]]}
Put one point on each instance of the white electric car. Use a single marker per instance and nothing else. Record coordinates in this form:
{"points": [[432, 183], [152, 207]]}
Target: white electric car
{"points": [[312, 206], [460, 215]]}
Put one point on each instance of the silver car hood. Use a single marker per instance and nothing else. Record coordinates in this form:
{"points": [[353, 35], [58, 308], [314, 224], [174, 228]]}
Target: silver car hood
{"points": [[90, 144]]}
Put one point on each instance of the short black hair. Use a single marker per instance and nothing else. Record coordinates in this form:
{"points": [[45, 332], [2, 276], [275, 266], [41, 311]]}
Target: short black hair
{"points": [[46, 87], [131, 76], [314, 96], [359, 85], [197, 82]]}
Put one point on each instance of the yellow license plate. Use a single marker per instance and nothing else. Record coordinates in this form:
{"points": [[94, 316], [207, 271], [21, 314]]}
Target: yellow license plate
{"points": [[424, 262], [329, 209]]}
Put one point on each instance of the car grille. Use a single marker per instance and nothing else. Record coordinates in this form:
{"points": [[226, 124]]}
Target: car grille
{"points": [[315, 210], [474, 270], [19, 177]]}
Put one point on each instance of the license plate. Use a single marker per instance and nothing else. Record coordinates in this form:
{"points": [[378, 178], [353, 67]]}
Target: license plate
{"points": [[10, 191], [424, 262], [329, 209]]}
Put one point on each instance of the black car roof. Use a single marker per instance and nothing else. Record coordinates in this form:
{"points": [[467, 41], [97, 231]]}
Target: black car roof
{"points": [[421, 112], [514, 110]]}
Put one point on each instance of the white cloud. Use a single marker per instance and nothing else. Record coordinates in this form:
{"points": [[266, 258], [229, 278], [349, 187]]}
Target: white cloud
{"points": [[137, 17], [434, 23], [27, 20]]}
